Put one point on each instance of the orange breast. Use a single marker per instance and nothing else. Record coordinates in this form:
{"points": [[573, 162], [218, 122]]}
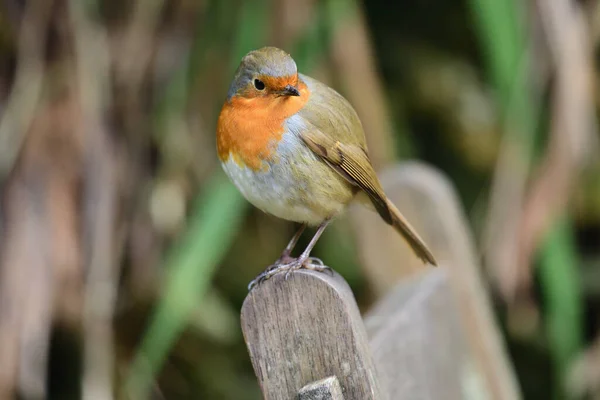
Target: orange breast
{"points": [[249, 129]]}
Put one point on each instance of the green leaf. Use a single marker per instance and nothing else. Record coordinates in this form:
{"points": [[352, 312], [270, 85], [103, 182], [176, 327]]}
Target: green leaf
{"points": [[562, 292]]}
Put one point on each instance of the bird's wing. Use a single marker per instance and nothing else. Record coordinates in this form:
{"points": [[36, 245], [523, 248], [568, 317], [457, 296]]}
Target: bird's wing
{"points": [[351, 162]]}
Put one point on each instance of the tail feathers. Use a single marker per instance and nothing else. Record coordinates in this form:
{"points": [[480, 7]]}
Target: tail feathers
{"points": [[410, 235]]}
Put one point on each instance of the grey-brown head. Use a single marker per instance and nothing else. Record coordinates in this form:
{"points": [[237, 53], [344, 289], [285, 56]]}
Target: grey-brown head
{"points": [[263, 72]]}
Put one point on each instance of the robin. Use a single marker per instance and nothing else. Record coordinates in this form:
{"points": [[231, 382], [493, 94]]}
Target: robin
{"points": [[295, 148]]}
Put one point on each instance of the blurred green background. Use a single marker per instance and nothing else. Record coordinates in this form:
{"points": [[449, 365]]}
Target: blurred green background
{"points": [[107, 145]]}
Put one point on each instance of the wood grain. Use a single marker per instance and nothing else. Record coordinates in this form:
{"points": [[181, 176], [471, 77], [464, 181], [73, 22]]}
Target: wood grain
{"points": [[305, 329], [416, 339]]}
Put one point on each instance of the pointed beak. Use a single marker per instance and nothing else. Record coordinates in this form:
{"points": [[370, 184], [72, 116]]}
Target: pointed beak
{"points": [[290, 90]]}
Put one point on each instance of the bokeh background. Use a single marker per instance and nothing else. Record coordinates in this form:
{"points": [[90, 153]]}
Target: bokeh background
{"points": [[125, 252]]}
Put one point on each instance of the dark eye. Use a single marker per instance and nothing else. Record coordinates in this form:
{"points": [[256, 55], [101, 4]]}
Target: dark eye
{"points": [[260, 85]]}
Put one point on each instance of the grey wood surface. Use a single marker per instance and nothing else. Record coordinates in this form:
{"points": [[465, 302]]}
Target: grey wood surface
{"points": [[305, 329], [430, 203], [325, 389], [416, 340]]}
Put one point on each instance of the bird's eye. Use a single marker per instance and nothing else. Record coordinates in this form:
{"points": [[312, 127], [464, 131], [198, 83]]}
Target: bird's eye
{"points": [[260, 85]]}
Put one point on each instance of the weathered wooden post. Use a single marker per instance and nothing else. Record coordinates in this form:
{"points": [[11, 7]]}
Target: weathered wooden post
{"points": [[430, 336], [307, 329], [416, 341], [439, 323]]}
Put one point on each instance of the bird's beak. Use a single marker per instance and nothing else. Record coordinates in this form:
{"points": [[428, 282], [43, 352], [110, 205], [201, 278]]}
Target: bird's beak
{"points": [[290, 90]]}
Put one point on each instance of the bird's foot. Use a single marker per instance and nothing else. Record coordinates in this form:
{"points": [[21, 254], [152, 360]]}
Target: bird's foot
{"points": [[292, 264], [311, 263]]}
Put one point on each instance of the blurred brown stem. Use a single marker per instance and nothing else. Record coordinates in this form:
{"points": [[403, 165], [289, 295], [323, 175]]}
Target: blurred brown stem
{"points": [[518, 218], [354, 61], [24, 319], [506, 194], [99, 205], [26, 89], [573, 124]]}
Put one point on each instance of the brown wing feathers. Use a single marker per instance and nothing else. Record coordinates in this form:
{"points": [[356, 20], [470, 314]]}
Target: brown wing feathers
{"points": [[351, 162]]}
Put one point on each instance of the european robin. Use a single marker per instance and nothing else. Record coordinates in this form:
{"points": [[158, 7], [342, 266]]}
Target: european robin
{"points": [[295, 148]]}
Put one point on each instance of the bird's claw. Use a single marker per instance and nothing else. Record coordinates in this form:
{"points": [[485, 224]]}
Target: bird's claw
{"points": [[314, 261], [269, 272], [311, 263]]}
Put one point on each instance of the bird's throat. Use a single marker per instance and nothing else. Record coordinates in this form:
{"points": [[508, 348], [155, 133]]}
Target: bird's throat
{"points": [[249, 129]]}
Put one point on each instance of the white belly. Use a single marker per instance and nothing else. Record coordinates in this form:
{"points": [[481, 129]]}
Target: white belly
{"points": [[289, 187]]}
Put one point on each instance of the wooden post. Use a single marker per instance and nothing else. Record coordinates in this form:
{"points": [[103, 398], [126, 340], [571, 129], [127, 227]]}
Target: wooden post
{"points": [[305, 329], [417, 341], [429, 202]]}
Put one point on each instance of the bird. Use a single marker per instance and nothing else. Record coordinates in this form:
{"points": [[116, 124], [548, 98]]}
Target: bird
{"points": [[296, 149]]}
